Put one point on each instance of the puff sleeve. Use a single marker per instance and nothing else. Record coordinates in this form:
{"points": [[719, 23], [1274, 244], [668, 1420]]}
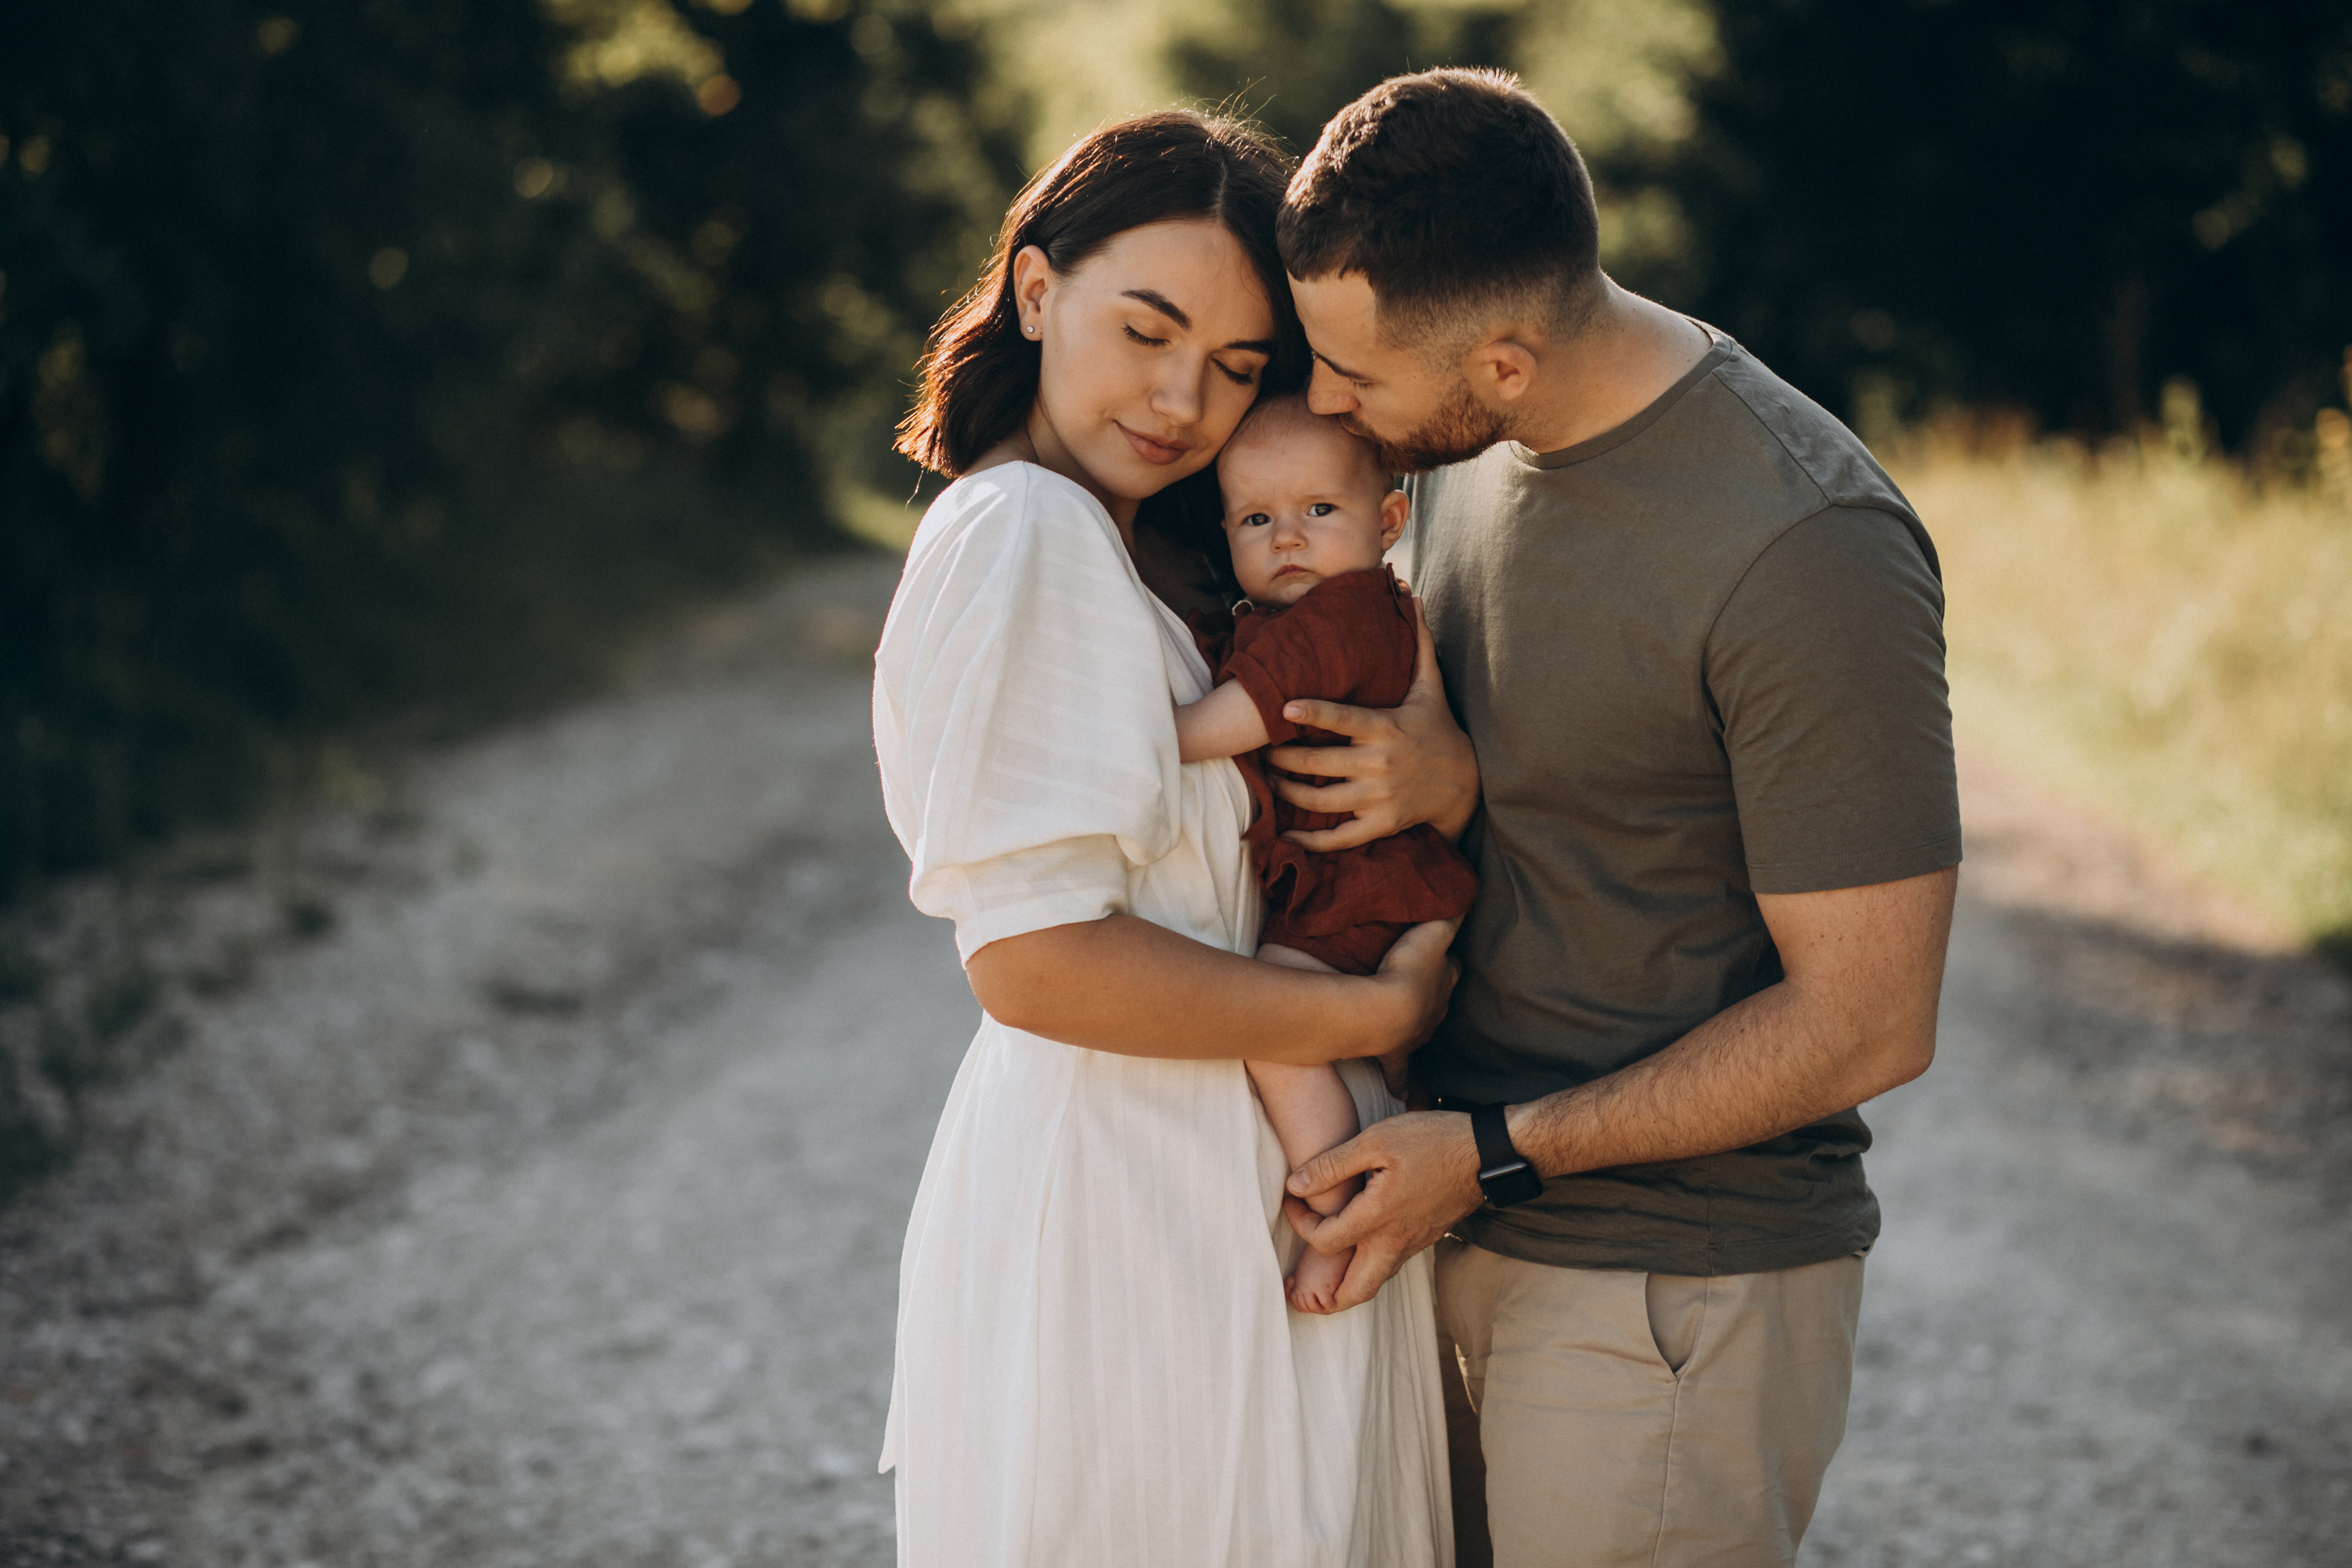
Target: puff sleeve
{"points": [[1023, 717]]}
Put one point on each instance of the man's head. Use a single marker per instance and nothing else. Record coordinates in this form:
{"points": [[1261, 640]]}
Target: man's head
{"points": [[1304, 501], [1442, 220]]}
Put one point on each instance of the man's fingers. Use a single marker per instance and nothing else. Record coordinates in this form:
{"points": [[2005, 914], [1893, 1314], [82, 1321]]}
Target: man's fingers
{"points": [[1338, 798], [1337, 717], [1333, 1166], [1367, 1272], [1309, 1224], [1323, 840], [1426, 680]]}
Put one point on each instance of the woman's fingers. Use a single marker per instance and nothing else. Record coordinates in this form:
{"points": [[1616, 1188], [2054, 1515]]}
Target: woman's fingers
{"points": [[1420, 959], [1423, 945]]}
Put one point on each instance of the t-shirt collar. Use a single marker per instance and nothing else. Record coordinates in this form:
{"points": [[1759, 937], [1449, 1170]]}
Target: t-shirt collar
{"points": [[1720, 348]]}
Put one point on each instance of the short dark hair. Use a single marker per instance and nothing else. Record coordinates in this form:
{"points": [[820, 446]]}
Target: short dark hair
{"points": [[978, 376], [1454, 193]]}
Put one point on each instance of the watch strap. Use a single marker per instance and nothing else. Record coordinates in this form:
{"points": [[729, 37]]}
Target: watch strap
{"points": [[1504, 1174], [1492, 1129]]}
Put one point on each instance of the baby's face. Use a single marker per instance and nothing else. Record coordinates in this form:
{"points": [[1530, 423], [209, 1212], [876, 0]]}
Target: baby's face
{"points": [[1302, 504]]}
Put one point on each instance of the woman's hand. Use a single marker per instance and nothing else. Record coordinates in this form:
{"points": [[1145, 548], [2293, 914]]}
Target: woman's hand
{"points": [[1418, 975], [1402, 766]]}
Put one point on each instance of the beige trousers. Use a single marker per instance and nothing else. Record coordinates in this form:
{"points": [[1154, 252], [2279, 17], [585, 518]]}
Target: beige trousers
{"points": [[1629, 1420]]}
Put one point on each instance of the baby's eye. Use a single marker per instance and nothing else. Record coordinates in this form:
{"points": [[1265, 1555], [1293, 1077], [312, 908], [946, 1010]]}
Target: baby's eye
{"points": [[1255, 519], [1321, 509]]}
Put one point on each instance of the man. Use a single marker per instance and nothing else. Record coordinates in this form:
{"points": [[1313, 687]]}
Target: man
{"points": [[1695, 633]]}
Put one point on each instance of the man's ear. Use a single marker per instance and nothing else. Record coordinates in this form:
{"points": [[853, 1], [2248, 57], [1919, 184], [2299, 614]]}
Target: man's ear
{"points": [[1500, 371], [1031, 276], [1396, 507]]}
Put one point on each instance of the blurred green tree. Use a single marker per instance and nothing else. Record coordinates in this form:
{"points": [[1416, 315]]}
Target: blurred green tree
{"points": [[354, 355], [2052, 206], [1293, 64]]}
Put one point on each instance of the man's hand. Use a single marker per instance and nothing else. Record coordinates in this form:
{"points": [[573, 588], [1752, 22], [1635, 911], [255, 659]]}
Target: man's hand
{"points": [[1421, 1174], [1402, 766]]}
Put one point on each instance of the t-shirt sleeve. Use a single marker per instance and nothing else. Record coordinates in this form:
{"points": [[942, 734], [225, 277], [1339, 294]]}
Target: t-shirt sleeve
{"points": [[1030, 693], [1826, 670]]}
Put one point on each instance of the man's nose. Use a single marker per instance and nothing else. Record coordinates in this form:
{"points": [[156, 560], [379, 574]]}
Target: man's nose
{"points": [[1327, 393]]}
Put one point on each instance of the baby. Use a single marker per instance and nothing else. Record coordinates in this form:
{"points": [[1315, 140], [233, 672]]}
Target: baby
{"points": [[1308, 514]]}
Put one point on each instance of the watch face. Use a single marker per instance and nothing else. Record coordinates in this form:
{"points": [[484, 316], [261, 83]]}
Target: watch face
{"points": [[1508, 1185]]}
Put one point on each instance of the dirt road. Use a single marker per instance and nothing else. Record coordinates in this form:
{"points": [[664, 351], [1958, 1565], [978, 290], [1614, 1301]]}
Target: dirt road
{"points": [[520, 1174]]}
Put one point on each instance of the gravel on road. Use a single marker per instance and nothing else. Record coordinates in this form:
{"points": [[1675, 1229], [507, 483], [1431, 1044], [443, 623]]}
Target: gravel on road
{"points": [[537, 1200]]}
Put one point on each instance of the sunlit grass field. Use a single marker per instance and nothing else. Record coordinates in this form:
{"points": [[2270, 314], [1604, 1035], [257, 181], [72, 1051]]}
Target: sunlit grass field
{"points": [[2143, 629]]}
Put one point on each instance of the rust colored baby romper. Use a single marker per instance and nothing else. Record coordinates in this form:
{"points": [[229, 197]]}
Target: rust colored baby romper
{"points": [[1350, 640]]}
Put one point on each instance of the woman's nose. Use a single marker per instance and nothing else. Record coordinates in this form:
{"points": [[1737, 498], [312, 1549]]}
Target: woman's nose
{"points": [[1178, 396]]}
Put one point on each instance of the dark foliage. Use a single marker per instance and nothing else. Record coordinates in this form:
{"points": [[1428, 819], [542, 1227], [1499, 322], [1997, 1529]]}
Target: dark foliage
{"points": [[351, 357], [1296, 63], [2054, 206]]}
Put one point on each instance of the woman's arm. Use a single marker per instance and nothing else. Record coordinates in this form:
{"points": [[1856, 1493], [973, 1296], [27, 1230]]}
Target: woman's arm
{"points": [[1225, 723], [1401, 766], [1124, 985]]}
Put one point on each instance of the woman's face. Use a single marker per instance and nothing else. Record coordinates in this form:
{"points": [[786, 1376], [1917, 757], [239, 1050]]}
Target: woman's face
{"points": [[1152, 352]]}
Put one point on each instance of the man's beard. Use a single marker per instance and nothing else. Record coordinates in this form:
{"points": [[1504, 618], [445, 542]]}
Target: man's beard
{"points": [[1457, 433]]}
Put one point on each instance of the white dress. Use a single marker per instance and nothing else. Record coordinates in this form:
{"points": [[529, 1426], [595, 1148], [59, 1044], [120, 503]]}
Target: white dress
{"points": [[1095, 1365]]}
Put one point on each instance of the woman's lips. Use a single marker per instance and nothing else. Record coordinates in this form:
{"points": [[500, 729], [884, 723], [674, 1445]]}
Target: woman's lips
{"points": [[1158, 453]]}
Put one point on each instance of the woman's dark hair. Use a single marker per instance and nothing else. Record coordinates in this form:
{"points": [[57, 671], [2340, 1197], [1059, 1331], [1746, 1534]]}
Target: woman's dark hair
{"points": [[980, 373]]}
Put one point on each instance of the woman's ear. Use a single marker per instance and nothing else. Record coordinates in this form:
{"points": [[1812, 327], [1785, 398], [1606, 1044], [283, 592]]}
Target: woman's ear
{"points": [[1032, 276], [1396, 507]]}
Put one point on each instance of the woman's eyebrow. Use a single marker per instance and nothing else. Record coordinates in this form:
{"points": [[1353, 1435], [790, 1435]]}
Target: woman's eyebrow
{"points": [[1169, 308]]}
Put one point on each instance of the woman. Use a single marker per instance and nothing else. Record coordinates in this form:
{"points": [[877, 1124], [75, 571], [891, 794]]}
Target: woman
{"points": [[1095, 1364]]}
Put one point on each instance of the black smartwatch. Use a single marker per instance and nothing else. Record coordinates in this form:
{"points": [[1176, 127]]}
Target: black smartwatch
{"points": [[1503, 1175]]}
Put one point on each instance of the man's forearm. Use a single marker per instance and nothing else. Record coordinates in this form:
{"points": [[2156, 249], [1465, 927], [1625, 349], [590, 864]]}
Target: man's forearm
{"points": [[1855, 1017], [1779, 1060]]}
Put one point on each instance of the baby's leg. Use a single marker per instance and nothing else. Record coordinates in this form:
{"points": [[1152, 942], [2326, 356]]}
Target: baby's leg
{"points": [[1311, 1111]]}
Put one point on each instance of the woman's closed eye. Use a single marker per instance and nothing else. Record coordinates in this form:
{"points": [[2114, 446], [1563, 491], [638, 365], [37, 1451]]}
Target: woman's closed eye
{"points": [[1238, 377]]}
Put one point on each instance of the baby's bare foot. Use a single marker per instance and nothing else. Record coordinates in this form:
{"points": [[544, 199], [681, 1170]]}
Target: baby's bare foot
{"points": [[1315, 1287]]}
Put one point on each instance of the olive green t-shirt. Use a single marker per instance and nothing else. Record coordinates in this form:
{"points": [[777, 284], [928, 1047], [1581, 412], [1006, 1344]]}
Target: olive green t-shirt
{"points": [[1701, 658]]}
